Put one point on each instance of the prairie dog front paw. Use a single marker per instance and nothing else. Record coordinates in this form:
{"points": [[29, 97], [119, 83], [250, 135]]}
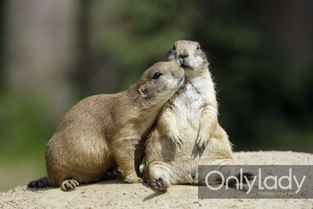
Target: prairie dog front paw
{"points": [[202, 140], [176, 139]]}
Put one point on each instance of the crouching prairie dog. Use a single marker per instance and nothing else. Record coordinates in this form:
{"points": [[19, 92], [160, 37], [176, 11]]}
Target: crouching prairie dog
{"points": [[103, 131], [187, 132]]}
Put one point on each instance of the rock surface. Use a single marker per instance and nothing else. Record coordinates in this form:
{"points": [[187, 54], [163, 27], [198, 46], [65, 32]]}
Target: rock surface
{"points": [[114, 194]]}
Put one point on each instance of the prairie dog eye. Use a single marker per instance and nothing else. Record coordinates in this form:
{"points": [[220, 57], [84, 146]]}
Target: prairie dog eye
{"points": [[156, 75], [198, 47]]}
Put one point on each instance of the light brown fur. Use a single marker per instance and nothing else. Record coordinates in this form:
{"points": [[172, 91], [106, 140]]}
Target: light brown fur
{"points": [[187, 132], [104, 131]]}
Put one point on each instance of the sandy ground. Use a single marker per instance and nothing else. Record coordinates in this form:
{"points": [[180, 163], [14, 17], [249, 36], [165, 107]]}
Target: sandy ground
{"points": [[114, 194]]}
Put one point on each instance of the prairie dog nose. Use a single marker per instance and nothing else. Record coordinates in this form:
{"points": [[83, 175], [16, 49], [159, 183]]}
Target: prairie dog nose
{"points": [[182, 57]]}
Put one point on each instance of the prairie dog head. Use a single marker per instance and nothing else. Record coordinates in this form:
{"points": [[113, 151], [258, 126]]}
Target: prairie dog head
{"points": [[190, 56], [160, 82]]}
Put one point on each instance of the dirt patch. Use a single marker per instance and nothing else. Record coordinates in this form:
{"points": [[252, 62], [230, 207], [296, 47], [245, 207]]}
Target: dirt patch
{"points": [[114, 194]]}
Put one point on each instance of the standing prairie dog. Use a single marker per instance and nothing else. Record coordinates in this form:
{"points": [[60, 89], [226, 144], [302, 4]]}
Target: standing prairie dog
{"points": [[187, 131], [104, 130]]}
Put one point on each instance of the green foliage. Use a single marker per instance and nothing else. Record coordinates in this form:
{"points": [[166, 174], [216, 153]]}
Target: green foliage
{"points": [[138, 33], [25, 126], [2, 41]]}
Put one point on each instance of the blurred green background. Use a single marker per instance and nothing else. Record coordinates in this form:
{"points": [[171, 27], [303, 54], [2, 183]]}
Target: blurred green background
{"points": [[54, 53]]}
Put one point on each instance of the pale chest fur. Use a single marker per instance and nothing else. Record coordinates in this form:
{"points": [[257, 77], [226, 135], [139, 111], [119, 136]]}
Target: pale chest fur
{"points": [[189, 102]]}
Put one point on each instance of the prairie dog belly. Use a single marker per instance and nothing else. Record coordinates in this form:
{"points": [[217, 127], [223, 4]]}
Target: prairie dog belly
{"points": [[187, 104]]}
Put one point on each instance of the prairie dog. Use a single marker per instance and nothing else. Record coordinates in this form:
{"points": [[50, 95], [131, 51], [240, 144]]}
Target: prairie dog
{"points": [[103, 131], [187, 131]]}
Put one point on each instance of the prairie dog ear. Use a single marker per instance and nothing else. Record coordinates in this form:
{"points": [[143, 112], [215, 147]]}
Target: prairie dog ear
{"points": [[143, 92]]}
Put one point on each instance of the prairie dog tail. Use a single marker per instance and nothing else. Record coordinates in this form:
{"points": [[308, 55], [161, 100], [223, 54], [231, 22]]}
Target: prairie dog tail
{"points": [[39, 183]]}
